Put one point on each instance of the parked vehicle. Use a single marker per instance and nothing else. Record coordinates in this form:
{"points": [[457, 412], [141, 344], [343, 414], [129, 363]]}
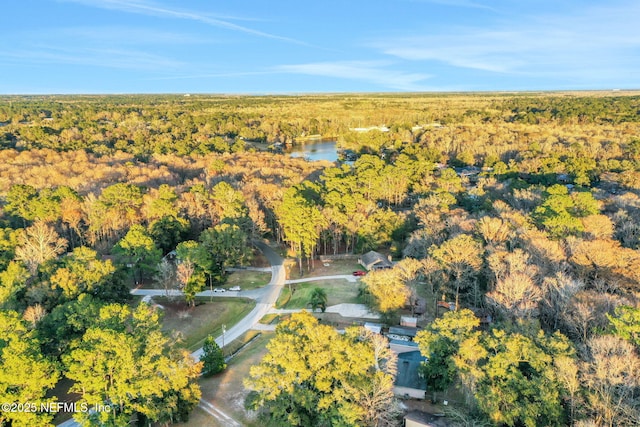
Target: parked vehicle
{"points": [[359, 273], [234, 288], [218, 290]]}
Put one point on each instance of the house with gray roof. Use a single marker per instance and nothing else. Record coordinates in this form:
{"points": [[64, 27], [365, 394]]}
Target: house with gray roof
{"points": [[373, 260]]}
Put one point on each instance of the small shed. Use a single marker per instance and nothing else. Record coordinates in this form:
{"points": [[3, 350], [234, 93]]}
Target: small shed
{"points": [[376, 328], [373, 260], [422, 419], [411, 322]]}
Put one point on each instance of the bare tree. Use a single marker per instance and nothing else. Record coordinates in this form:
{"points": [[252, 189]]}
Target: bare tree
{"points": [[516, 295], [612, 375], [165, 275], [34, 314], [38, 244], [557, 293]]}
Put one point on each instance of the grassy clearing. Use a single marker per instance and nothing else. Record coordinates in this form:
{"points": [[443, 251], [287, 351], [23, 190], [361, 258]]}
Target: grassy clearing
{"points": [[338, 291], [237, 344], [332, 268], [194, 324], [247, 279], [226, 390], [268, 319]]}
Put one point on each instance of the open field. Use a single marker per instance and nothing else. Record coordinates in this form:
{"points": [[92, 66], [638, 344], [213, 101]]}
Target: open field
{"points": [[334, 267], [338, 291], [196, 323], [247, 279]]}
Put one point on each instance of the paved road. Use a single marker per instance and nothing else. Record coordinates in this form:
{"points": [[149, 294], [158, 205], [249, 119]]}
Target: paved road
{"points": [[348, 277], [265, 300], [265, 297]]}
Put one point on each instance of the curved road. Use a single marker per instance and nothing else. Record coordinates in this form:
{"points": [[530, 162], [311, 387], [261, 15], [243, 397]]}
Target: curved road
{"points": [[265, 298]]}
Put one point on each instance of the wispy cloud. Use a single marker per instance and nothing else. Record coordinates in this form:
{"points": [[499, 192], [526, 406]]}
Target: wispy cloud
{"points": [[103, 58], [148, 8], [126, 36], [376, 72], [593, 43]]}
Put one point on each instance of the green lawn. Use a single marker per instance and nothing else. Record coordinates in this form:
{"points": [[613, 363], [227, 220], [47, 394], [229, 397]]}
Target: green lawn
{"points": [[338, 291], [195, 324], [247, 279], [332, 268]]}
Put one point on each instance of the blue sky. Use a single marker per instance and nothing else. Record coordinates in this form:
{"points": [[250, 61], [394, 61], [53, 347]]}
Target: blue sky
{"points": [[283, 46]]}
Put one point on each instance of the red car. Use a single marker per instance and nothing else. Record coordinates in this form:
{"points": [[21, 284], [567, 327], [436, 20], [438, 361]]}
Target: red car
{"points": [[359, 273]]}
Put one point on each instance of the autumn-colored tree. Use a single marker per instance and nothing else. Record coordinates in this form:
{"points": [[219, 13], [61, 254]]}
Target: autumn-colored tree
{"points": [[387, 287], [192, 262]]}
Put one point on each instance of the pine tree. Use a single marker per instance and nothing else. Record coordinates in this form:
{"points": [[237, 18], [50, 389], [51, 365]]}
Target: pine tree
{"points": [[212, 357]]}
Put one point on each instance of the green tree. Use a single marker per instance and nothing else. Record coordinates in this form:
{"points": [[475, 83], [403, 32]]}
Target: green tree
{"points": [[168, 231], [138, 248], [228, 202], [160, 203], [223, 246], [312, 375], [212, 357], [439, 342], [626, 324], [8, 243], [388, 289], [514, 377], [12, 281], [63, 327], [19, 202], [301, 222], [560, 211], [124, 360], [25, 375], [318, 299], [82, 271]]}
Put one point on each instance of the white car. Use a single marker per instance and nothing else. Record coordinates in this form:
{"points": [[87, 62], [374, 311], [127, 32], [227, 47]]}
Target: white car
{"points": [[234, 288], [218, 290]]}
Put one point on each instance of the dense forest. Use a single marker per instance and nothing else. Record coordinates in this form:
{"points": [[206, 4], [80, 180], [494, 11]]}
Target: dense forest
{"points": [[521, 207]]}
